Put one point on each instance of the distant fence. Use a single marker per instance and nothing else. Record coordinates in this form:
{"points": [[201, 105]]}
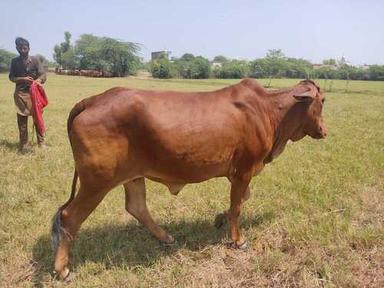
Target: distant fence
{"points": [[86, 73]]}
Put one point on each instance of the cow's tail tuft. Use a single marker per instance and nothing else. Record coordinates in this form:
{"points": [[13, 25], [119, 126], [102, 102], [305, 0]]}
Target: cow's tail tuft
{"points": [[56, 230]]}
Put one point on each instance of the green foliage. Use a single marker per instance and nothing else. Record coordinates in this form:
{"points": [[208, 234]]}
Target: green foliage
{"points": [[87, 48], [191, 67], [276, 65], [297, 68], [326, 72], [187, 57], [63, 53], [69, 59], [162, 68], [220, 59], [273, 65], [98, 53], [330, 61], [5, 59], [234, 69], [376, 72], [275, 54]]}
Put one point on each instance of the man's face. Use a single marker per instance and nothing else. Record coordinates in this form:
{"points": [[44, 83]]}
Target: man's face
{"points": [[23, 50]]}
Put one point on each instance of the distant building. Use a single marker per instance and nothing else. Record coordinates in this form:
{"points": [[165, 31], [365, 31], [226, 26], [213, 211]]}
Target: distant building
{"points": [[160, 55], [216, 64]]}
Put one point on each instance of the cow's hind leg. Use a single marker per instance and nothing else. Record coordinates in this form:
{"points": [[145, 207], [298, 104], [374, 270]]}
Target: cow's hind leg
{"points": [[67, 222], [135, 204]]}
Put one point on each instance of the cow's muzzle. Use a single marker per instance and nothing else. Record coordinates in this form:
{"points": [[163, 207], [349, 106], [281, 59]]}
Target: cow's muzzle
{"points": [[322, 133]]}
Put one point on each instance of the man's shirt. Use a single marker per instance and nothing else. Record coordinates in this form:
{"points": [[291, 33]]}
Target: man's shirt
{"points": [[32, 67]]}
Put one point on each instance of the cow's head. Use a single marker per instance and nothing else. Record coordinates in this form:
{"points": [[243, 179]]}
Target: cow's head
{"points": [[309, 109]]}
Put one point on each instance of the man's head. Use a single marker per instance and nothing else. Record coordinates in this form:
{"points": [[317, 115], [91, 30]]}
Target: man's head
{"points": [[22, 46]]}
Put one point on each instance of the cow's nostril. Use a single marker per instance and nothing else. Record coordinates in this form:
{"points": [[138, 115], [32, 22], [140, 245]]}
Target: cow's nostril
{"points": [[323, 131]]}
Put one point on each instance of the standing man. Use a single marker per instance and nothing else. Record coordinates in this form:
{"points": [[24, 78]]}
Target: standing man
{"points": [[23, 71]]}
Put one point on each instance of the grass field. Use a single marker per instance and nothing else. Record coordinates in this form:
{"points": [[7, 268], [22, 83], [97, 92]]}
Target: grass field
{"points": [[315, 217]]}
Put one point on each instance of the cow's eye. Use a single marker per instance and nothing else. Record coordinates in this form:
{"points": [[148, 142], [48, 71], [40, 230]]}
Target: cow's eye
{"points": [[322, 101]]}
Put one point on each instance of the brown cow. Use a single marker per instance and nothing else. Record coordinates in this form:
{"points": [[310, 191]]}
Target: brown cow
{"points": [[124, 135]]}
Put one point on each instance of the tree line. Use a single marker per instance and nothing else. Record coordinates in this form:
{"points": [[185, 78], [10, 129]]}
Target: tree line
{"points": [[274, 65], [121, 58], [90, 52]]}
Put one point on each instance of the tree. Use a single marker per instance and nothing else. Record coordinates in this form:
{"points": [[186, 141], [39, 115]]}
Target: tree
{"points": [[60, 51], [162, 68], [5, 59], [297, 68], [277, 62], [330, 61], [187, 57], [220, 59], [107, 54], [191, 67], [69, 60], [86, 49], [119, 57], [234, 69], [275, 54], [98, 53], [376, 72]]}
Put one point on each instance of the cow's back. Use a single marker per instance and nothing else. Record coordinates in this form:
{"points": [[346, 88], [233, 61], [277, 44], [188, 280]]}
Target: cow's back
{"points": [[165, 134]]}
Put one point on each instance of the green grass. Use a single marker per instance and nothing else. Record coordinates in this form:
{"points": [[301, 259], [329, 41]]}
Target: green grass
{"points": [[315, 217]]}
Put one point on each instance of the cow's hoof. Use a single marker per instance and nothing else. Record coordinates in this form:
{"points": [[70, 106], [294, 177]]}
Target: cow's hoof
{"points": [[220, 220], [169, 240], [239, 246], [65, 275], [69, 277]]}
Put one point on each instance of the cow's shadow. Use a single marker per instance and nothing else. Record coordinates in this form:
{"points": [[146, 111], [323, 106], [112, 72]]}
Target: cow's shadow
{"points": [[132, 245]]}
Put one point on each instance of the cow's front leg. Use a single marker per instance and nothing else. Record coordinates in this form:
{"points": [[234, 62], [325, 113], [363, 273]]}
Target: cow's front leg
{"points": [[222, 218], [239, 191]]}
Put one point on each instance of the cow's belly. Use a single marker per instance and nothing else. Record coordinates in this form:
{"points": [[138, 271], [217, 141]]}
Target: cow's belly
{"points": [[183, 174]]}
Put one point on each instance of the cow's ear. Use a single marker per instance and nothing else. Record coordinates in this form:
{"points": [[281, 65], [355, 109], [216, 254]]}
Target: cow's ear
{"points": [[307, 96]]}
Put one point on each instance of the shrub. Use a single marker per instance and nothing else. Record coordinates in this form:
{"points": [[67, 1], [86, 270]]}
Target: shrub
{"points": [[162, 68], [234, 69]]}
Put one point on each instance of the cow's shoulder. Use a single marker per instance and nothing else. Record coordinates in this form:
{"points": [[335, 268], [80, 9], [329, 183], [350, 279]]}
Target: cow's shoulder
{"points": [[253, 85]]}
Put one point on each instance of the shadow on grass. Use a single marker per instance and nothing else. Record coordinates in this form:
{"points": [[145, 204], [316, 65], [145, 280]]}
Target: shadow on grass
{"points": [[132, 245], [11, 146]]}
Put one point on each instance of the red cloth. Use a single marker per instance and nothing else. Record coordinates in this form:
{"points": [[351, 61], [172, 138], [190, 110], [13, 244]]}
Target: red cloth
{"points": [[39, 101]]}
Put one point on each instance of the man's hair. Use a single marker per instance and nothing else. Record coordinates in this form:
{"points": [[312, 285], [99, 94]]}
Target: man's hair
{"points": [[21, 42]]}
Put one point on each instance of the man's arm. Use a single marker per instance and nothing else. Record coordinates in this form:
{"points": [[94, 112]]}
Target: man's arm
{"points": [[13, 77]]}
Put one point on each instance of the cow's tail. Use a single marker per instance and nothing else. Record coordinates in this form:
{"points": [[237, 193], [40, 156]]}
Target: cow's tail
{"points": [[58, 232], [76, 110], [57, 229]]}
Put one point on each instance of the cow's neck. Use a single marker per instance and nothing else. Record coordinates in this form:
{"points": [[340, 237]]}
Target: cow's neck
{"points": [[284, 127]]}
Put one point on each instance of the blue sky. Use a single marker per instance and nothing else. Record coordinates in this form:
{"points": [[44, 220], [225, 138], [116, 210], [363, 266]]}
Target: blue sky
{"points": [[314, 30]]}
